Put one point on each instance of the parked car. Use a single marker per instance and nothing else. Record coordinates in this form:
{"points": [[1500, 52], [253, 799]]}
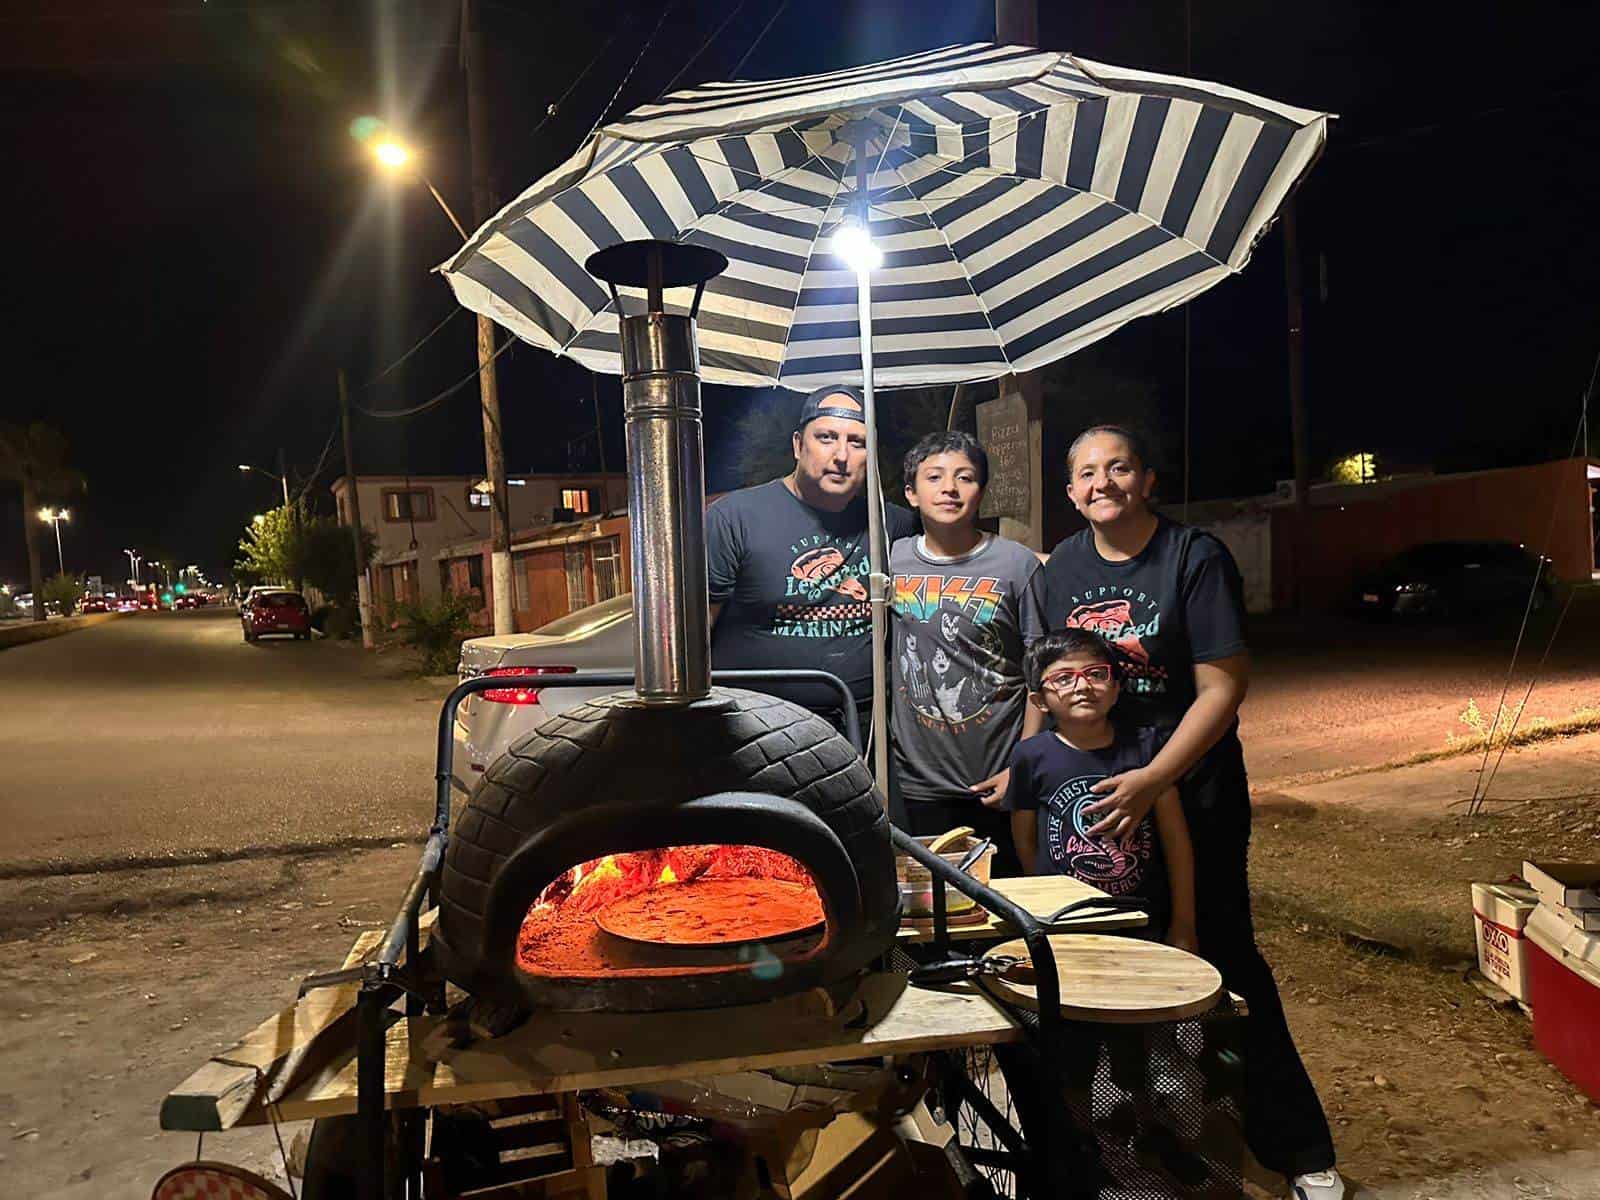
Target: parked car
{"points": [[278, 611], [596, 638], [1449, 580]]}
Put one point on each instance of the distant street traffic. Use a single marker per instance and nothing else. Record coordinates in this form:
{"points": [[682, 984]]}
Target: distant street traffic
{"points": [[164, 734]]}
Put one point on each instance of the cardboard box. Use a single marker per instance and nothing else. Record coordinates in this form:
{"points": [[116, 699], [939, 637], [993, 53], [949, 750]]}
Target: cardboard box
{"points": [[1499, 912], [1564, 989], [1574, 885]]}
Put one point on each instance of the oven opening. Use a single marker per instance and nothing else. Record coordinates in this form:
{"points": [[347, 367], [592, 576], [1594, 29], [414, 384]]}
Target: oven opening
{"points": [[676, 910]]}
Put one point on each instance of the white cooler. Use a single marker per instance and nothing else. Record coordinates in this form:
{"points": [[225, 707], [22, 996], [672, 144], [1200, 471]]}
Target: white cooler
{"points": [[1500, 912]]}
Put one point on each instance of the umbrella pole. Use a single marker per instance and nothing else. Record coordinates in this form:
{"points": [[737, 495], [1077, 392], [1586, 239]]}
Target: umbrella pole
{"points": [[877, 589]]}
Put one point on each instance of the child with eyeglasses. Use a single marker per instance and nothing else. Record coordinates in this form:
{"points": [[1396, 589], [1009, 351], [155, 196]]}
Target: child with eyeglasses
{"points": [[1072, 676]]}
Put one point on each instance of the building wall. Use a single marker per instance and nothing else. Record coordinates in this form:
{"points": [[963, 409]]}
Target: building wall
{"points": [[1545, 507], [447, 519]]}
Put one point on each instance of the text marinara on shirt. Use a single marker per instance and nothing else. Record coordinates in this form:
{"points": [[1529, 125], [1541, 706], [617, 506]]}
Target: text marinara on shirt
{"points": [[960, 627], [1177, 602], [792, 583], [1054, 779]]}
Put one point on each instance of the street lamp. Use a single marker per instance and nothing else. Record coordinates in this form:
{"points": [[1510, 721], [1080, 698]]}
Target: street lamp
{"points": [[134, 560], [395, 157], [55, 516], [399, 159], [283, 479]]}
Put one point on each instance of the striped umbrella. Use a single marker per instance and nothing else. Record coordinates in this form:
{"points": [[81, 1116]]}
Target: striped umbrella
{"points": [[1018, 205], [1027, 203]]}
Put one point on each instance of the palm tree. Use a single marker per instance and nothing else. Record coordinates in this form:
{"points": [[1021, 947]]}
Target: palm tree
{"points": [[35, 458]]}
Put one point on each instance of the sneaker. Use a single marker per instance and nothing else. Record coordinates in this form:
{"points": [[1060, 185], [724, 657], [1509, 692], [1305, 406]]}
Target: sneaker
{"points": [[1317, 1185]]}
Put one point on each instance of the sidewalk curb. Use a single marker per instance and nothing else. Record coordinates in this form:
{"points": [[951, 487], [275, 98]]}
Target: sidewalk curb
{"points": [[21, 633]]}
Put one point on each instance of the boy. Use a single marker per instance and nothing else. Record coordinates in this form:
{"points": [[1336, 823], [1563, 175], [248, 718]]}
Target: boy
{"points": [[1072, 676], [966, 604]]}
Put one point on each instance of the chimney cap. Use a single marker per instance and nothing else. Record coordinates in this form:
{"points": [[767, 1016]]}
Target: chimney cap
{"points": [[627, 264]]}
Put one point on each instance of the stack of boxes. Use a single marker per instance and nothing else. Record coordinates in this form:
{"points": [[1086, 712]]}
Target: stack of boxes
{"points": [[1563, 967]]}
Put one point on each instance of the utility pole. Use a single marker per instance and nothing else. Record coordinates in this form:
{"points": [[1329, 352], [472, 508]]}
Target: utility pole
{"points": [[283, 476], [1299, 420], [1016, 23], [600, 441], [473, 63], [363, 591]]}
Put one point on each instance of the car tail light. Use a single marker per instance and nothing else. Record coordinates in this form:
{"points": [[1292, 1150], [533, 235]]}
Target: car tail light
{"points": [[520, 695]]}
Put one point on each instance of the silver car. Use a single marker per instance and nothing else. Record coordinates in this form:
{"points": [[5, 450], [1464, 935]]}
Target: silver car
{"points": [[597, 638]]}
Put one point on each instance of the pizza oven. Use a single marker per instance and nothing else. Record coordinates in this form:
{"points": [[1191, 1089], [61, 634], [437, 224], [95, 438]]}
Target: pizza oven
{"points": [[678, 845]]}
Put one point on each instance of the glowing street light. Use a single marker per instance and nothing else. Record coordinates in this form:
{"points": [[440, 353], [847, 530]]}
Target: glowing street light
{"points": [[282, 479], [853, 244], [55, 516], [134, 559], [391, 154], [397, 158]]}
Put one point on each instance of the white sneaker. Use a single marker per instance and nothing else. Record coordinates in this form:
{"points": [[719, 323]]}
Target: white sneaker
{"points": [[1317, 1185]]}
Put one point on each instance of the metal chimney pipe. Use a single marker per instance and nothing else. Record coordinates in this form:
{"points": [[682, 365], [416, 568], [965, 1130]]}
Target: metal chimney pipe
{"points": [[666, 467]]}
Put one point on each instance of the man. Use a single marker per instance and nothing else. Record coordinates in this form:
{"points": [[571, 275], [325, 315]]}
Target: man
{"points": [[966, 605], [789, 561]]}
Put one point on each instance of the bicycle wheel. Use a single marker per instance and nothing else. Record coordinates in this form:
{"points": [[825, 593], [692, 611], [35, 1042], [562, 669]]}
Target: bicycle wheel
{"points": [[973, 1098]]}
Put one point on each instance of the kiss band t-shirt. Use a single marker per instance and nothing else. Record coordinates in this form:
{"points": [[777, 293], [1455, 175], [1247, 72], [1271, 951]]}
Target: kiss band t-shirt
{"points": [[1178, 602], [1053, 779], [792, 582]]}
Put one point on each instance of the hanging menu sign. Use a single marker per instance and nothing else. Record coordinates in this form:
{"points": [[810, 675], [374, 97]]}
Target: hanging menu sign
{"points": [[1003, 430]]}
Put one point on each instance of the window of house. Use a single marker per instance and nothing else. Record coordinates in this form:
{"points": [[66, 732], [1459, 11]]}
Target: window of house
{"points": [[607, 569], [575, 499], [408, 504], [578, 578]]}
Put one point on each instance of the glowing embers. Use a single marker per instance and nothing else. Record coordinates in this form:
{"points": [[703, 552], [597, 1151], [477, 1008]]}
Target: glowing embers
{"points": [[673, 911]]}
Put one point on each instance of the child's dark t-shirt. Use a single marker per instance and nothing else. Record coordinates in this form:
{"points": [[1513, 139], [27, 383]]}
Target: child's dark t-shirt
{"points": [[1053, 779]]}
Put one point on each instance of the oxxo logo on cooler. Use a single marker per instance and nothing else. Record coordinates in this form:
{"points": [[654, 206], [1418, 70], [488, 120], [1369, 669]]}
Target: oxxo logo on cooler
{"points": [[1496, 949]]}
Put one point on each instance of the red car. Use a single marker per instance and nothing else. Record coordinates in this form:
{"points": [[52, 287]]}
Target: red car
{"points": [[92, 603], [275, 612]]}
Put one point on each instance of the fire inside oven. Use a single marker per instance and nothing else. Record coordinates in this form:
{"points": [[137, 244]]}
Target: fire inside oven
{"points": [[677, 910]]}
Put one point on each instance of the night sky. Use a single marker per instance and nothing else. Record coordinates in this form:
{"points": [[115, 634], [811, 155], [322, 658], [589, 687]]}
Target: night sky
{"points": [[196, 243]]}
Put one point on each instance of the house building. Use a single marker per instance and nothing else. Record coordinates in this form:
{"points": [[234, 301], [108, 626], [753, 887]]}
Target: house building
{"points": [[1354, 528], [433, 531]]}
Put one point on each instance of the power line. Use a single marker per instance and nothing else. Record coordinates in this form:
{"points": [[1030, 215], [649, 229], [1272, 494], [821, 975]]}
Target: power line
{"points": [[455, 311], [435, 401], [606, 111], [704, 46], [582, 75], [734, 74]]}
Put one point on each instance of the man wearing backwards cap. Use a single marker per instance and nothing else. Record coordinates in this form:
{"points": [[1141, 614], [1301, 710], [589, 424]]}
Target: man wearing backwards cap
{"points": [[789, 560]]}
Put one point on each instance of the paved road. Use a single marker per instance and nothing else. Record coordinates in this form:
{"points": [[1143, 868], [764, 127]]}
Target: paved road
{"points": [[164, 734]]}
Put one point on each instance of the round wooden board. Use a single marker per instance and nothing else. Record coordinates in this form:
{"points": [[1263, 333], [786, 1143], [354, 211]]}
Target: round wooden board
{"points": [[1117, 980]]}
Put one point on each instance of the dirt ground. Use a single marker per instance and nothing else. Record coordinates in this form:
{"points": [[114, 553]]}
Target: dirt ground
{"points": [[1363, 907], [1434, 1091]]}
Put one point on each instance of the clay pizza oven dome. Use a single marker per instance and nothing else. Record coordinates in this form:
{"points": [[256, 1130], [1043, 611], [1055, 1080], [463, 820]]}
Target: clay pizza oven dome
{"points": [[609, 778], [581, 838]]}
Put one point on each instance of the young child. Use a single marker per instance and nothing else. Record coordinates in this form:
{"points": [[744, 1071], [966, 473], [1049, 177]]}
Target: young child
{"points": [[966, 603], [1073, 677]]}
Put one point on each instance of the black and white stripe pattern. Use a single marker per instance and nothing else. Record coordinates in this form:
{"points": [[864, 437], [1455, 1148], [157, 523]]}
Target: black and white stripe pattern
{"points": [[1027, 203]]}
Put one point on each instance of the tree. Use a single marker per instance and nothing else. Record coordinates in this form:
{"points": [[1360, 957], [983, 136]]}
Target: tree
{"points": [[273, 546], [328, 559], [35, 458], [62, 590]]}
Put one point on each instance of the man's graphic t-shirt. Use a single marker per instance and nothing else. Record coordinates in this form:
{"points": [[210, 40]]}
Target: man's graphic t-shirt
{"points": [[1053, 779], [792, 582], [1178, 602], [958, 697]]}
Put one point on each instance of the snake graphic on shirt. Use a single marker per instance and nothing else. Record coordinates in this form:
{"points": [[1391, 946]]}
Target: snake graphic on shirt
{"points": [[1115, 869]]}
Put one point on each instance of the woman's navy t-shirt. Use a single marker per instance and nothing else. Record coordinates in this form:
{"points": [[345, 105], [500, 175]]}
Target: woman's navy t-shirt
{"points": [[1178, 602], [1053, 779]]}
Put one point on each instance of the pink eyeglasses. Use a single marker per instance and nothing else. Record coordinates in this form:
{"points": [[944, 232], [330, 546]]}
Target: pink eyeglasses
{"points": [[1067, 678]]}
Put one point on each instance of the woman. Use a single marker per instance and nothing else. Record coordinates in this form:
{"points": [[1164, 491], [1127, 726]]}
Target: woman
{"points": [[1170, 598]]}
